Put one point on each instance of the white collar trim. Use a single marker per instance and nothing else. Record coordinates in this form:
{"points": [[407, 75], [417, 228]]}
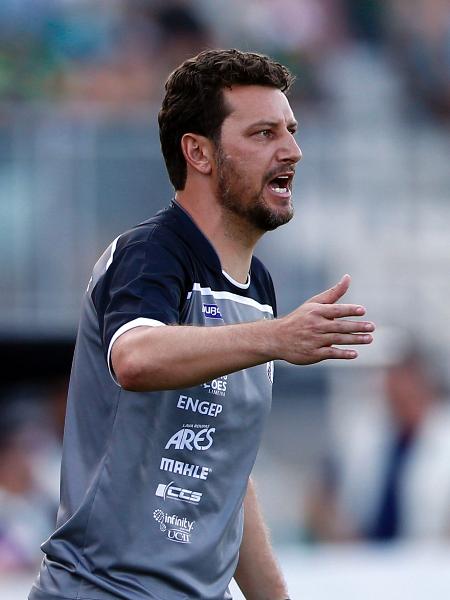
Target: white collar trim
{"points": [[242, 286]]}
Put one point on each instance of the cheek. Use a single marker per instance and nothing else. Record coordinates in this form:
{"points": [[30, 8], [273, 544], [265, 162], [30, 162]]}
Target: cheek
{"points": [[249, 167], [245, 166]]}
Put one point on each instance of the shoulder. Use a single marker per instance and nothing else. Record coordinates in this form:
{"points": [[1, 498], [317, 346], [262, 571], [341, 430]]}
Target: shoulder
{"points": [[153, 246], [154, 243], [161, 230]]}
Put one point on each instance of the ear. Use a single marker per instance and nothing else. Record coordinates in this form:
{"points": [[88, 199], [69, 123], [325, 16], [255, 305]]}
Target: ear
{"points": [[198, 152]]}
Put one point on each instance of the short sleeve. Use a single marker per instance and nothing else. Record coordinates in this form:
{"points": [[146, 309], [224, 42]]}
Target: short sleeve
{"points": [[143, 285]]}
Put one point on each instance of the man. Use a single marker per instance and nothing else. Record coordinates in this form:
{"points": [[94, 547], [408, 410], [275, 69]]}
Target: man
{"points": [[171, 381], [377, 482]]}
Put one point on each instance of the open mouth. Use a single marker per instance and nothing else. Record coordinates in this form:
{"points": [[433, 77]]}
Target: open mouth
{"points": [[281, 184]]}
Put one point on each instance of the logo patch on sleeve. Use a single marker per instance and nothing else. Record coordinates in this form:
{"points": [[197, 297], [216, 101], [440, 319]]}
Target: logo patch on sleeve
{"points": [[211, 311]]}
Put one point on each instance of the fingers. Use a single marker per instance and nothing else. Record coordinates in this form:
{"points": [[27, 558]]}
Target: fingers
{"points": [[347, 339], [343, 326], [336, 311], [331, 352], [333, 294], [317, 329], [342, 332]]}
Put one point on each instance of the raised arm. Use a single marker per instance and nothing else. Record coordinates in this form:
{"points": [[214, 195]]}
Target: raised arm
{"points": [[155, 358]]}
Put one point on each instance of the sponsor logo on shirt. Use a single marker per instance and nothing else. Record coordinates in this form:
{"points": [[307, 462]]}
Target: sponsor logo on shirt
{"points": [[177, 529], [171, 492], [181, 468], [188, 439], [218, 386], [211, 311], [203, 407]]}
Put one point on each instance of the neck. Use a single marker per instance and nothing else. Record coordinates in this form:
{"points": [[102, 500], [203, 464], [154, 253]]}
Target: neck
{"points": [[233, 239]]}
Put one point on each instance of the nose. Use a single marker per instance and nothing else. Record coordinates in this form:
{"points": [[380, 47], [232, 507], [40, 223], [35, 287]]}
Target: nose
{"points": [[289, 151]]}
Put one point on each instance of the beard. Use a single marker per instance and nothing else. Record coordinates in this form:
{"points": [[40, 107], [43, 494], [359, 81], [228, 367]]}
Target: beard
{"points": [[235, 196]]}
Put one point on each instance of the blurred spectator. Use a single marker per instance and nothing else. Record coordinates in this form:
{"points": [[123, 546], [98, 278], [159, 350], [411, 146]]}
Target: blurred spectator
{"points": [[420, 40], [299, 33], [46, 458], [28, 502], [109, 52], [387, 476], [183, 33], [115, 53], [366, 19]]}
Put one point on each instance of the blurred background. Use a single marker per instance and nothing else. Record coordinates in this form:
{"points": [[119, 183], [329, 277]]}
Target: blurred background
{"points": [[354, 471]]}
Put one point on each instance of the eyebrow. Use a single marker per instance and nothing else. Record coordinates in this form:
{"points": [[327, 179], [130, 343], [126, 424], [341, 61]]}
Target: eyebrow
{"points": [[272, 124]]}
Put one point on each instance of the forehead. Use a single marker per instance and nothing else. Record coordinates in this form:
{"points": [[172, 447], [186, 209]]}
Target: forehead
{"points": [[249, 103]]}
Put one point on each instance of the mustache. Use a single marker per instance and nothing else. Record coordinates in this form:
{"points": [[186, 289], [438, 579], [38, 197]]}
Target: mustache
{"points": [[279, 171]]}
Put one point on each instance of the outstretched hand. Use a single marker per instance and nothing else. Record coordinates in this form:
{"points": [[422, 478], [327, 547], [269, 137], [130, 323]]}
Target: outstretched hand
{"points": [[311, 332]]}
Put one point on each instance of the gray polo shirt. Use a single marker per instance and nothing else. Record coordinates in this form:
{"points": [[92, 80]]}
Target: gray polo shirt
{"points": [[152, 483]]}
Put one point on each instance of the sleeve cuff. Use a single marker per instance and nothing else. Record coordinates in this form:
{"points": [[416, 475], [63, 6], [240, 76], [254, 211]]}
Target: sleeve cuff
{"points": [[139, 322]]}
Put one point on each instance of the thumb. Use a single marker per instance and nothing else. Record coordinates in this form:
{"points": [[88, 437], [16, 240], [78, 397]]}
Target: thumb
{"points": [[333, 294]]}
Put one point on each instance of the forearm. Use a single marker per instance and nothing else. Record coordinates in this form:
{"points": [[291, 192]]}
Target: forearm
{"points": [[257, 573], [171, 357]]}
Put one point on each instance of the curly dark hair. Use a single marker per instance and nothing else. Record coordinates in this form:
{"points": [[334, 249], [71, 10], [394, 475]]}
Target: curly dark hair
{"points": [[194, 102]]}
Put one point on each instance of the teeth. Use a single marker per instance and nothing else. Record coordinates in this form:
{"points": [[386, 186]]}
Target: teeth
{"points": [[277, 188]]}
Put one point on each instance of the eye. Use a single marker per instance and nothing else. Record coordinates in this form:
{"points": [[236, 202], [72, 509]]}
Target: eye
{"points": [[265, 133]]}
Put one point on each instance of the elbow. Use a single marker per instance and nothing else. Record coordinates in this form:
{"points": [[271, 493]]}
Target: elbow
{"points": [[129, 370], [128, 374], [140, 366], [134, 376]]}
